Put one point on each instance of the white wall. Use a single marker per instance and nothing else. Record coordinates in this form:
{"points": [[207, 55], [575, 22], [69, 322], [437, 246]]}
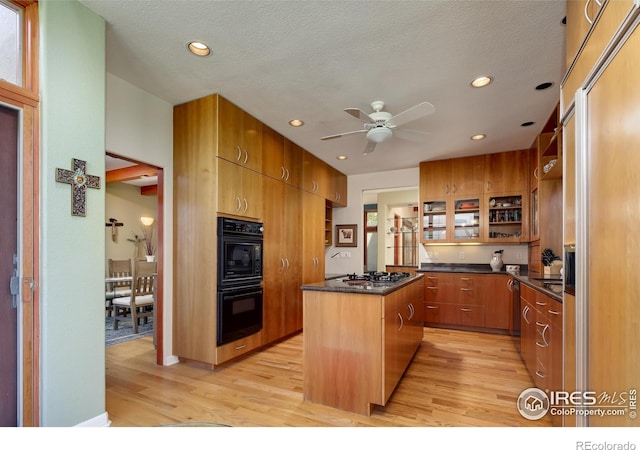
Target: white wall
{"points": [[353, 213], [125, 203], [72, 79], [140, 126]]}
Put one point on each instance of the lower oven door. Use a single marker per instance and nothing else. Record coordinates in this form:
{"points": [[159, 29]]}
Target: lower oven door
{"points": [[239, 313]]}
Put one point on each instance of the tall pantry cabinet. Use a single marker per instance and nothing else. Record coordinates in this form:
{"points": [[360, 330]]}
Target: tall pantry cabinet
{"points": [[601, 94], [228, 163]]}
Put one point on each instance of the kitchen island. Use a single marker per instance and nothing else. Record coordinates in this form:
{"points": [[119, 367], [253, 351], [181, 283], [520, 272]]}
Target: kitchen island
{"points": [[359, 339]]}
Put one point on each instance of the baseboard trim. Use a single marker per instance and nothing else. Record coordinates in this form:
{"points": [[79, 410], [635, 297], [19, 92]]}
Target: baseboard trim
{"points": [[171, 360], [101, 420]]}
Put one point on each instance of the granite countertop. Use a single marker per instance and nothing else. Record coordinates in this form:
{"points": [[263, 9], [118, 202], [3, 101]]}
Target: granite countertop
{"points": [[552, 290], [465, 268], [337, 285]]}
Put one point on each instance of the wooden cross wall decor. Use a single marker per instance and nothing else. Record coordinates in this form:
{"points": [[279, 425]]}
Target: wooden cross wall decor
{"points": [[79, 181]]}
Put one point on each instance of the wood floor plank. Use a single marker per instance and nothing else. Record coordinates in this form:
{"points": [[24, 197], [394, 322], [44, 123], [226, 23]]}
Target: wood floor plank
{"points": [[457, 378]]}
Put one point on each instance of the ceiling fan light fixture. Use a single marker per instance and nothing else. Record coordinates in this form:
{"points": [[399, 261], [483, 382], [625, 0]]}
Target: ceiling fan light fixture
{"points": [[199, 48], [379, 134], [481, 81]]}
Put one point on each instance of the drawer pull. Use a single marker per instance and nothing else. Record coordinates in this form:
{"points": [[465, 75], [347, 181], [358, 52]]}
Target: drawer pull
{"points": [[466, 309], [539, 374], [466, 289], [555, 313], [240, 347], [541, 303]]}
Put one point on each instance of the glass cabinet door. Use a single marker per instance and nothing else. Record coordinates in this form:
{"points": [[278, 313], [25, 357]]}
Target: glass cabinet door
{"points": [[466, 223], [505, 218], [434, 221]]}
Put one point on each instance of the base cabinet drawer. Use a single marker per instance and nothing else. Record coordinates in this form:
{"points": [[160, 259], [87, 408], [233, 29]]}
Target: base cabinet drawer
{"points": [[454, 314], [237, 348]]}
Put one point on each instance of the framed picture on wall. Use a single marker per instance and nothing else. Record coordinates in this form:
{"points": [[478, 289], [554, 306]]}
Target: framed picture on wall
{"points": [[346, 235]]}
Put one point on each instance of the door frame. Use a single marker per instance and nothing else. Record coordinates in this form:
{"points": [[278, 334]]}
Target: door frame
{"points": [[26, 99]]}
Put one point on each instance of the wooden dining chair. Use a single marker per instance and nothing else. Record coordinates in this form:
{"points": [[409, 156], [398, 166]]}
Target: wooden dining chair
{"points": [[142, 299], [117, 268]]}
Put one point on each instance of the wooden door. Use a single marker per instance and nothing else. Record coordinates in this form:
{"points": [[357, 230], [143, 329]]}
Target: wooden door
{"points": [[273, 264], [229, 131], [292, 163], [612, 158], [292, 293], [252, 193], [272, 153], [9, 132], [498, 302], [435, 179], [230, 198], [507, 172], [313, 221], [467, 175]]}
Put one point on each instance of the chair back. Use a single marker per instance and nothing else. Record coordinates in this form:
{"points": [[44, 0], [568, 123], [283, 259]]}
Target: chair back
{"points": [[144, 275], [120, 268]]}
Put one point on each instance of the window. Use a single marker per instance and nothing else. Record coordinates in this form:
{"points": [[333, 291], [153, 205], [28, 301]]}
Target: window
{"points": [[10, 43]]}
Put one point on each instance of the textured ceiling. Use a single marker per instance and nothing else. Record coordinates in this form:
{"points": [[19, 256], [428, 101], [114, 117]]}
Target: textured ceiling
{"points": [[280, 60]]}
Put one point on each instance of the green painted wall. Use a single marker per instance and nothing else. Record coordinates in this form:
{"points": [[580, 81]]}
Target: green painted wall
{"points": [[72, 71]]}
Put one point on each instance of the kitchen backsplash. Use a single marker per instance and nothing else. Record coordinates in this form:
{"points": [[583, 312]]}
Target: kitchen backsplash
{"points": [[473, 254]]}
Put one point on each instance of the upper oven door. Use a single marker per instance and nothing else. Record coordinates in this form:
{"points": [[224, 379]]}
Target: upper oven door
{"points": [[239, 261]]}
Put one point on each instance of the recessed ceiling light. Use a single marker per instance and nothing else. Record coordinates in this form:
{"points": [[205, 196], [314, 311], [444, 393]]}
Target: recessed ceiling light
{"points": [[199, 48], [478, 137], [543, 86], [526, 124], [296, 122], [481, 81], [341, 157]]}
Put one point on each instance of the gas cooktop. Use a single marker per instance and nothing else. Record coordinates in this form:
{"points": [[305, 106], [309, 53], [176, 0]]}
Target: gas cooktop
{"points": [[375, 278]]}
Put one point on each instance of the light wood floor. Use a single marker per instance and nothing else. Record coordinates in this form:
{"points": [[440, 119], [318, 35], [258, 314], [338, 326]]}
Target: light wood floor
{"points": [[457, 378]]}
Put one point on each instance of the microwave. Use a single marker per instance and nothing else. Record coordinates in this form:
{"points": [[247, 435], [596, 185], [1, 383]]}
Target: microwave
{"points": [[239, 252]]}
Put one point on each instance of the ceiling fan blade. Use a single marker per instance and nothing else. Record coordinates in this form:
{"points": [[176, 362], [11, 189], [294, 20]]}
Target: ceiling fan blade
{"points": [[371, 146], [411, 114], [335, 136], [359, 114], [410, 135]]}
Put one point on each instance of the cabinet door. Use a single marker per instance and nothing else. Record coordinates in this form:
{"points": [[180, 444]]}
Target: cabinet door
{"points": [[435, 179], [507, 172], [471, 316], [272, 153], [292, 163], [578, 25], [498, 302], [467, 175], [239, 136], [313, 224], [293, 274], [230, 196]]}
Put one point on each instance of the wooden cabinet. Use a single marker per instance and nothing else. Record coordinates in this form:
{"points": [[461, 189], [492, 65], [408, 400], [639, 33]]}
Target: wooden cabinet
{"points": [[357, 346], [498, 302], [506, 172], [580, 16], [281, 158], [320, 178], [242, 194], [506, 217], [282, 256], [454, 299], [313, 244], [218, 167], [455, 196], [541, 340], [239, 136], [607, 179]]}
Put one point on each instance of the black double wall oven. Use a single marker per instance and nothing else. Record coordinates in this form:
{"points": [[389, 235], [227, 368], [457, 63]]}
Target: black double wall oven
{"points": [[239, 279]]}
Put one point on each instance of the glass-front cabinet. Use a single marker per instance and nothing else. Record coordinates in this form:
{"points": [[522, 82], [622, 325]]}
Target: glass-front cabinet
{"points": [[506, 219], [466, 219], [434, 221]]}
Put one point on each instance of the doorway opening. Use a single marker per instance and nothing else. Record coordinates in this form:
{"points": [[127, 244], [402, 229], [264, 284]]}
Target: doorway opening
{"points": [[134, 222]]}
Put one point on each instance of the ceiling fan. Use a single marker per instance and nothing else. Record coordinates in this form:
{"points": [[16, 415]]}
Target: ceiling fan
{"points": [[381, 125]]}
